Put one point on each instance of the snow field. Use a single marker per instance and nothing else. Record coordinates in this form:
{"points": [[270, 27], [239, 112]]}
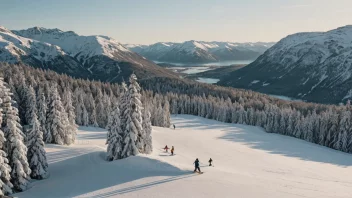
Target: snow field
{"points": [[248, 163]]}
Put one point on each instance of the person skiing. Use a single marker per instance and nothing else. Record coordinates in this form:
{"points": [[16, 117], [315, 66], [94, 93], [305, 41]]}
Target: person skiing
{"points": [[172, 150], [196, 166], [166, 148], [210, 161], [174, 127]]}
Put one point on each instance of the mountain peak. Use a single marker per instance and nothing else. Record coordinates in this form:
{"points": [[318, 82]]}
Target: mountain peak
{"points": [[40, 30], [3, 29]]}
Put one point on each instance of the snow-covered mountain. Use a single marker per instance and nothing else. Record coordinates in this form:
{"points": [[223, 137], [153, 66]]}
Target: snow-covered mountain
{"points": [[96, 57], [315, 66], [200, 51]]}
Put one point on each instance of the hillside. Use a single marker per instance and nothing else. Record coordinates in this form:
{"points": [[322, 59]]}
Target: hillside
{"points": [[245, 158], [313, 66], [197, 52], [93, 57]]}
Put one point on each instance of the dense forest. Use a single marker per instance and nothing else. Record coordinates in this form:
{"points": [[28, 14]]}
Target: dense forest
{"points": [[42, 107]]}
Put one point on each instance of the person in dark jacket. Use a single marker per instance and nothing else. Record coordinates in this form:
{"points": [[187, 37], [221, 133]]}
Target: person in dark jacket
{"points": [[172, 150], [196, 166], [174, 127], [210, 161]]}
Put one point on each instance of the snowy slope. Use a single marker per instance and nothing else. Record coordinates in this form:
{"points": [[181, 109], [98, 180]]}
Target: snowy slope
{"points": [[314, 66], [200, 51], [248, 163]]}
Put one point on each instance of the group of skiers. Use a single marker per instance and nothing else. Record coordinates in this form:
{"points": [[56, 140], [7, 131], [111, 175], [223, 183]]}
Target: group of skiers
{"points": [[167, 149], [196, 163]]}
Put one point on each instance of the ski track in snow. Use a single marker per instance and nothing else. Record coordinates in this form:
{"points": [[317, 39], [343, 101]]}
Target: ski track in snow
{"points": [[248, 163]]}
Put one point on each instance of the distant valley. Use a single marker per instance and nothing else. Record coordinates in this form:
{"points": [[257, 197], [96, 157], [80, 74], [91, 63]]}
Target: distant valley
{"points": [[193, 52]]}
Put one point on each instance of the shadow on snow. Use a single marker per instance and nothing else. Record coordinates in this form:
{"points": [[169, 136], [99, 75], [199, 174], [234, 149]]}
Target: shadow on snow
{"points": [[89, 173]]}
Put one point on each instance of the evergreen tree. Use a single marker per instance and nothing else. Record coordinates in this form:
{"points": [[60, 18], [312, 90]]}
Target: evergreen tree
{"points": [[57, 119], [41, 109], [15, 147], [147, 126], [30, 104], [100, 110], [123, 106], [5, 169], [36, 154], [71, 127], [133, 142], [114, 139], [85, 116]]}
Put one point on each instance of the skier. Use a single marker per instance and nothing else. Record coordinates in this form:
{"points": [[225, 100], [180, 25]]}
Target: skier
{"points": [[166, 148], [174, 127], [172, 150], [210, 161], [196, 166]]}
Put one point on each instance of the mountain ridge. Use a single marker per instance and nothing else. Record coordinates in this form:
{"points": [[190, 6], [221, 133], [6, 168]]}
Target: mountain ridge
{"points": [[200, 51], [313, 66], [96, 57]]}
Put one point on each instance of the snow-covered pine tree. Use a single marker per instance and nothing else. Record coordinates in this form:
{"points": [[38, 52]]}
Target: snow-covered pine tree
{"points": [[56, 119], [14, 147], [5, 169], [93, 113], [41, 109], [71, 127], [174, 106], [36, 154], [30, 104], [133, 142], [147, 126], [159, 116], [85, 116], [107, 109], [114, 139], [123, 104], [100, 110], [166, 114]]}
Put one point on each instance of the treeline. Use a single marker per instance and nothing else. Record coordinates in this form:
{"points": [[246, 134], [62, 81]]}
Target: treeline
{"points": [[93, 101], [327, 125]]}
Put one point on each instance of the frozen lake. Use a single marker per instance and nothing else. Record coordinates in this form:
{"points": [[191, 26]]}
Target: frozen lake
{"points": [[285, 98], [189, 70], [208, 80], [222, 63]]}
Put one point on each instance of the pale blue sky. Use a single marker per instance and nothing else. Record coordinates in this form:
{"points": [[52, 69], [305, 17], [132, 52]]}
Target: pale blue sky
{"points": [[149, 21]]}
